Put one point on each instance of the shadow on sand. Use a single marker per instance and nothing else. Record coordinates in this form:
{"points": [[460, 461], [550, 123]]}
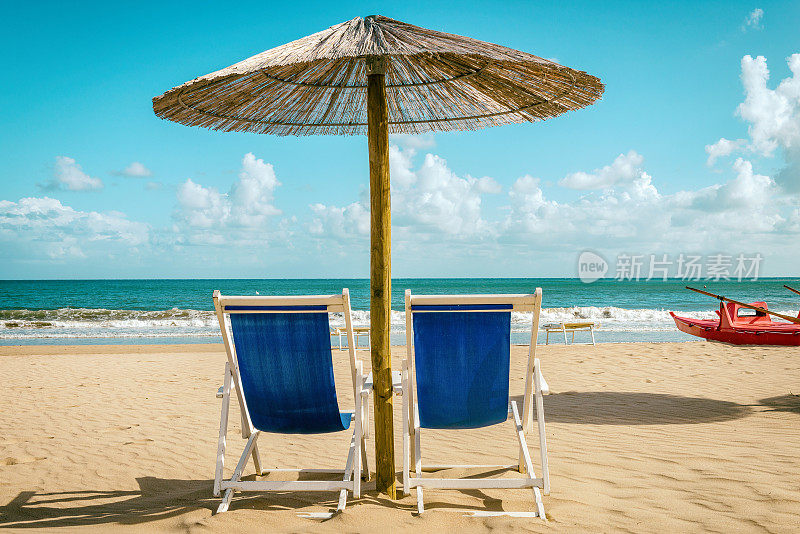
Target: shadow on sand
{"points": [[630, 408], [783, 403], [157, 499]]}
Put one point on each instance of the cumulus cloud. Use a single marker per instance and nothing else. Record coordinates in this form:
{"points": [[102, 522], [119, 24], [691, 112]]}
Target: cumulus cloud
{"points": [[46, 228], [636, 214], [134, 170], [773, 120], [753, 20], [204, 214], [415, 142], [773, 115], [623, 210], [624, 169], [430, 202], [531, 213], [68, 175], [437, 200], [723, 147], [345, 223]]}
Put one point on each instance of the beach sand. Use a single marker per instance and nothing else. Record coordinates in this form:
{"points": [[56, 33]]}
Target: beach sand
{"points": [[642, 437]]}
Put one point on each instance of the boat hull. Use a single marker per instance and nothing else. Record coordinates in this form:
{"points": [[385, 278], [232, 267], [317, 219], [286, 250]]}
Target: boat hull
{"points": [[776, 334]]}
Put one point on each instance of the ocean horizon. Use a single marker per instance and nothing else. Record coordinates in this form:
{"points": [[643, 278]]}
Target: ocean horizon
{"points": [[167, 311]]}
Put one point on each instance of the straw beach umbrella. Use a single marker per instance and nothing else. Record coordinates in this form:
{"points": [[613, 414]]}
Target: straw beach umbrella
{"points": [[376, 76]]}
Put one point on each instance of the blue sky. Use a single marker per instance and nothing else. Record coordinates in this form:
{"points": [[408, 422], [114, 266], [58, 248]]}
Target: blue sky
{"points": [[93, 184]]}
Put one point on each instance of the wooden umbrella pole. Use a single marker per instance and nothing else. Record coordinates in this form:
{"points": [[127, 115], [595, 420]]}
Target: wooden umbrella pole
{"points": [[380, 302]]}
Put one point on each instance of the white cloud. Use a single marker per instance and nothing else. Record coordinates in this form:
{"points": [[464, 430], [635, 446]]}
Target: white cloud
{"points": [[748, 189], [252, 195], [135, 170], [625, 168], [69, 175], [748, 210], [415, 142], [434, 207], [438, 201], [774, 115], [723, 147], [429, 203], [753, 20], [39, 227], [340, 223], [204, 214], [531, 213]]}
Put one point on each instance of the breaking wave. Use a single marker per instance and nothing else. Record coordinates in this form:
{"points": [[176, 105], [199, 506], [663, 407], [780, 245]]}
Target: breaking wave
{"points": [[104, 323]]}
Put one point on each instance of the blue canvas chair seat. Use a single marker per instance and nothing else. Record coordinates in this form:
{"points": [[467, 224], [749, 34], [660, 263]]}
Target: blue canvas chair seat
{"points": [[462, 362], [456, 377], [281, 369], [287, 372]]}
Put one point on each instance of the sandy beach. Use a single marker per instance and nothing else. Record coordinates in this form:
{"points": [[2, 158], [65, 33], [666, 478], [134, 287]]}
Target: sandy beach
{"points": [[643, 437]]}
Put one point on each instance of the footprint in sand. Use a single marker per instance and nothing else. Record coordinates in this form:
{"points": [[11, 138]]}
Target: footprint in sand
{"points": [[9, 460], [139, 442], [120, 428]]}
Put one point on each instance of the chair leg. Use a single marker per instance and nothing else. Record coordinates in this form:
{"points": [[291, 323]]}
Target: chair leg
{"points": [[406, 433], [537, 495], [365, 410], [412, 434], [357, 435], [237, 473], [257, 460], [348, 472], [539, 402], [226, 501], [223, 429], [418, 459], [364, 465]]}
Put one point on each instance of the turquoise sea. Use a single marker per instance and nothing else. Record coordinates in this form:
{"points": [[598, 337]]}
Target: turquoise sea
{"points": [[181, 311]]}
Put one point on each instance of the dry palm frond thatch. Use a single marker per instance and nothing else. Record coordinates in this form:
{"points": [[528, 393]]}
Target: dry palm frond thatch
{"points": [[434, 82]]}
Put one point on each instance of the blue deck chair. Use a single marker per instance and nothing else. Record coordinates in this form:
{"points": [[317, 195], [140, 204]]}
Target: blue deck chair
{"points": [[456, 376], [281, 370]]}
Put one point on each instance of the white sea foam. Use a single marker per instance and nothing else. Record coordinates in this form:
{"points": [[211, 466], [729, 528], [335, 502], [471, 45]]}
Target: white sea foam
{"points": [[103, 323]]}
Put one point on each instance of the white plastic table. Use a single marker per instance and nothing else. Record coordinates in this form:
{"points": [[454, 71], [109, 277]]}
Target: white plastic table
{"points": [[568, 327], [358, 331]]}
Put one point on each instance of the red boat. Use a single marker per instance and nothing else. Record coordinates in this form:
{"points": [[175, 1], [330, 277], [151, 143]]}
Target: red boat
{"points": [[741, 326]]}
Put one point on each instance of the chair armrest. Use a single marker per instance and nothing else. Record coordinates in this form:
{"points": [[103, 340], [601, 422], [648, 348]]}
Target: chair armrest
{"points": [[219, 392], [366, 388], [397, 382], [544, 385]]}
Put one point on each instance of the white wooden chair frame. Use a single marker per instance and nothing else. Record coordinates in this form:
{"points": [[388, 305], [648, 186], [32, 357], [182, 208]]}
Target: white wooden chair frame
{"points": [[535, 387], [356, 458]]}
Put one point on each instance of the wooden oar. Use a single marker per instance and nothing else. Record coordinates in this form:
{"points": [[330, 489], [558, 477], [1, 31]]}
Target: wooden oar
{"points": [[791, 289], [794, 320]]}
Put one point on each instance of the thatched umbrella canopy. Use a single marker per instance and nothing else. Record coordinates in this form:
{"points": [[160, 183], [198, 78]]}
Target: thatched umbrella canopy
{"points": [[435, 81], [376, 76]]}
